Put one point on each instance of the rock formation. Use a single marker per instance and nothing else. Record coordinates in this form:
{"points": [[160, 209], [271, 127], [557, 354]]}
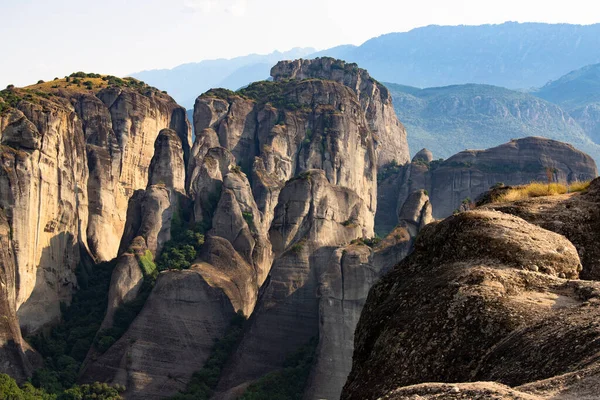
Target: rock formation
{"points": [[473, 304], [12, 346], [275, 208], [170, 338], [281, 175], [375, 100], [71, 158], [575, 216], [464, 176]]}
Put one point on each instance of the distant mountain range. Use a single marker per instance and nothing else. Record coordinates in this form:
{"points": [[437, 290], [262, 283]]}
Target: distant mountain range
{"points": [[579, 93], [450, 119], [512, 55], [550, 95], [186, 82]]}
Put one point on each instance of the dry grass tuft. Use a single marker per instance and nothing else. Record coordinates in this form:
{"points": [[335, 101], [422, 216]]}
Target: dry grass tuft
{"points": [[539, 189], [578, 186]]}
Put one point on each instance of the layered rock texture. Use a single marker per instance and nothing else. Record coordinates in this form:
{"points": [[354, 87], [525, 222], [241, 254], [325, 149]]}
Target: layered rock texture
{"points": [[282, 181], [463, 177], [374, 98], [488, 299], [272, 213], [71, 159]]}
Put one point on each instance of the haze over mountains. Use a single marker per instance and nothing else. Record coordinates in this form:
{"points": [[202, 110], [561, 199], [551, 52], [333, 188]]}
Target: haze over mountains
{"points": [[513, 55], [450, 119], [484, 84]]}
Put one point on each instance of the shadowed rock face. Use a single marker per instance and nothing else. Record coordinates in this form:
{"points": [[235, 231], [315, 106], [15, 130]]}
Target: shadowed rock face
{"points": [[12, 345], [479, 305], [317, 286], [169, 340], [374, 98], [70, 161], [466, 175]]}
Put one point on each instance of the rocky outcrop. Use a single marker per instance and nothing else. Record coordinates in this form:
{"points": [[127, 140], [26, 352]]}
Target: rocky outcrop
{"points": [[61, 146], [475, 304], [466, 175], [312, 218], [416, 212], [43, 183], [278, 130], [374, 98], [150, 212], [317, 286], [343, 288], [169, 340], [575, 216], [120, 153], [279, 194], [167, 166]]}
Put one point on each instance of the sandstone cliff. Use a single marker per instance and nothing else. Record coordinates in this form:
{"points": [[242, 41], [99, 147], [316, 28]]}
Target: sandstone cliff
{"points": [[12, 346], [71, 158], [464, 176], [479, 305], [375, 100], [281, 179]]}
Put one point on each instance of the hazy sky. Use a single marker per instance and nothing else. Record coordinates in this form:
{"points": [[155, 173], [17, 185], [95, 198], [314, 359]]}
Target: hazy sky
{"points": [[42, 39]]}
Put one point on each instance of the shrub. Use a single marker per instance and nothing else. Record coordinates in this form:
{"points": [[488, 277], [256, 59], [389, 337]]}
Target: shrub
{"points": [[10, 87], [146, 262], [249, 218], [66, 345], [388, 170], [40, 82], [298, 246], [182, 249]]}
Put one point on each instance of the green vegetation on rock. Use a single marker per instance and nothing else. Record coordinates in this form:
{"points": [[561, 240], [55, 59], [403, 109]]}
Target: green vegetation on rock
{"points": [[204, 381], [64, 348], [181, 251], [9, 390], [288, 383]]}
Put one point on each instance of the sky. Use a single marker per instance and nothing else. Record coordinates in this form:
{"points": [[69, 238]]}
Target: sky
{"points": [[43, 39]]}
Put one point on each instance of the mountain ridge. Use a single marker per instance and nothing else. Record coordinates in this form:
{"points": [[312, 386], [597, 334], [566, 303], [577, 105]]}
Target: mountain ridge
{"points": [[514, 55]]}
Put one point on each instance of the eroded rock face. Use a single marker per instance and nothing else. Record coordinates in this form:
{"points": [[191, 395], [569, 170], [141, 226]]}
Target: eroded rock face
{"points": [[43, 183], [575, 216], [469, 296], [60, 149], [120, 155], [169, 340], [375, 100], [303, 125], [466, 175], [313, 217], [12, 346], [167, 166]]}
